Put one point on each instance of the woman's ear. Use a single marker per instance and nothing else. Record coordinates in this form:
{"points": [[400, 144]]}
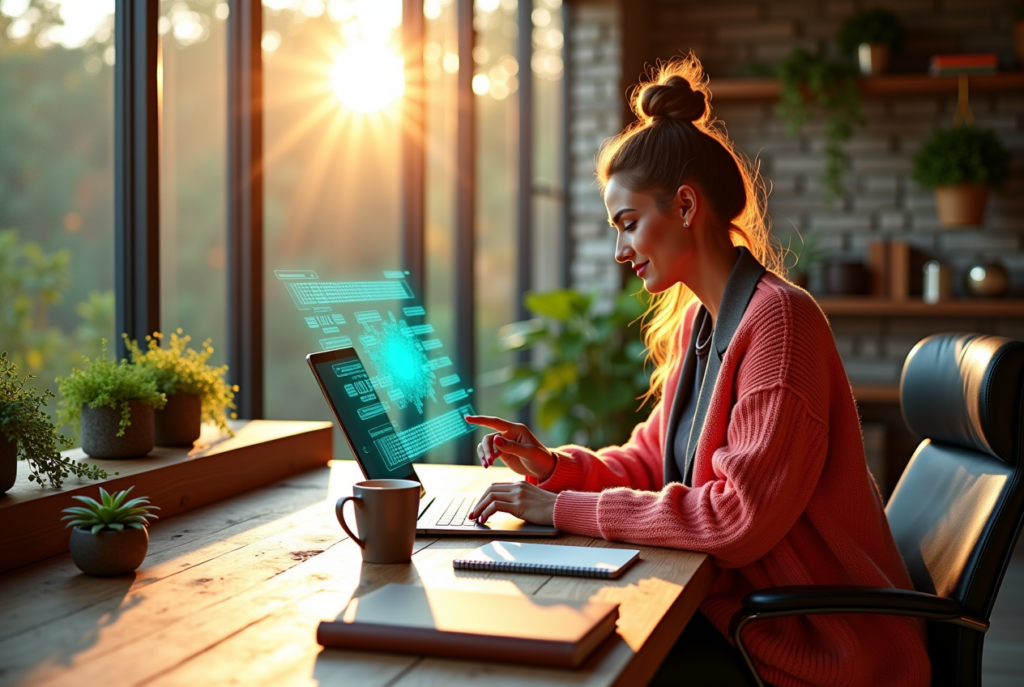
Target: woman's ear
{"points": [[685, 203]]}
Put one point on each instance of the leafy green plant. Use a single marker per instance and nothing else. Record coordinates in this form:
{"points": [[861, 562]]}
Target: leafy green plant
{"points": [[871, 26], [962, 155], [809, 83], [803, 256], [106, 383], [589, 370], [177, 369], [110, 512], [23, 419]]}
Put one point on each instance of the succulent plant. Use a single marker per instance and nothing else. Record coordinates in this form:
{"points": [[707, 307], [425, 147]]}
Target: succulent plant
{"points": [[110, 512]]}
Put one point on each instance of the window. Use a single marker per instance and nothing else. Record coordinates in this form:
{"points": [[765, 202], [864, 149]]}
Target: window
{"points": [[56, 182], [332, 156], [192, 83]]}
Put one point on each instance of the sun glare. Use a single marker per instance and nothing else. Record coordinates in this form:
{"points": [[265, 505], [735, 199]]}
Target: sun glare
{"points": [[367, 78]]}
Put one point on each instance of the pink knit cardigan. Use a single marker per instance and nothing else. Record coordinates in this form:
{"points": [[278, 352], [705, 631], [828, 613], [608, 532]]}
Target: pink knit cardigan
{"points": [[781, 495]]}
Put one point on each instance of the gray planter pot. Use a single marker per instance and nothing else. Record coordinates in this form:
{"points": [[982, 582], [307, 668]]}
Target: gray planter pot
{"points": [[179, 423], [108, 552], [99, 432], [8, 463]]}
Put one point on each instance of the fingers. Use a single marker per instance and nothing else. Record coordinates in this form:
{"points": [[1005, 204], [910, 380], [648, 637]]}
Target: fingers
{"points": [[513, 507], [490, 421], [501, 491], [515, 448]]}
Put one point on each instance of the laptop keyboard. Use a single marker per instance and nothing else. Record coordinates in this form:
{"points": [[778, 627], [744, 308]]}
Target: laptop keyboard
{"points": [[457, 511]]}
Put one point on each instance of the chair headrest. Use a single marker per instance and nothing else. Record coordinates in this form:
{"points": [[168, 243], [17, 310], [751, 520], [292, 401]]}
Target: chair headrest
{"points": [[965, 389]]}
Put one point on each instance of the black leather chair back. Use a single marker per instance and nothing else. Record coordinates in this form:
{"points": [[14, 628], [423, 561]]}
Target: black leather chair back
{"points": [[956, 512]]}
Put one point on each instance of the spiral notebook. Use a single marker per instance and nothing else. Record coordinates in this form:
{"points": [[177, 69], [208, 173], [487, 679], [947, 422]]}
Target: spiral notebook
{"points": [[548, 559]]}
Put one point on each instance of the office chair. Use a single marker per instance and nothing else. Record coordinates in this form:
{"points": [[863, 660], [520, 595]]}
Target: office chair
{"points": [[956, 512]]}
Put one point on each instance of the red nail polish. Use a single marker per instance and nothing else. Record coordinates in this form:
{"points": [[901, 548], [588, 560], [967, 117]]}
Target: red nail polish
{"points": [[499, 441]]}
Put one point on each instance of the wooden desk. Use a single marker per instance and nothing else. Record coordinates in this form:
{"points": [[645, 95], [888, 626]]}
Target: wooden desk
{"points": [[232, 593]]}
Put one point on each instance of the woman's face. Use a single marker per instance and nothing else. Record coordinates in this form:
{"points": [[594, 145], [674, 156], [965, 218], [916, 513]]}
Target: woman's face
{"points": [[658, 246]]}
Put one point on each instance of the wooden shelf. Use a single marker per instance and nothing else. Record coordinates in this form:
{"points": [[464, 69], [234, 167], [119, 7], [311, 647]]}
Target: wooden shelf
{"points": [[876, 86], [865, 306], [876, 393]]}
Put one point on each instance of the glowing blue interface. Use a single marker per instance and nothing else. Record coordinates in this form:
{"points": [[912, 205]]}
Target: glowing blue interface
{"points": [[407, 400]]}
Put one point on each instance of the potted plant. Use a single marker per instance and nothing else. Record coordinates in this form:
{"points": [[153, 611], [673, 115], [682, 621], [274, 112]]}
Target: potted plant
{"points": [[26, 431], [114, 401], [803, 258], [109, 536], [808, 82], [872, 36], [962, 164], [195, 391], [592, 372]]}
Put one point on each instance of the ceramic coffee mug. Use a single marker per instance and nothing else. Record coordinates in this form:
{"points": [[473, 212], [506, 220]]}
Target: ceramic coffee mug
{"points": [[386, 512]]}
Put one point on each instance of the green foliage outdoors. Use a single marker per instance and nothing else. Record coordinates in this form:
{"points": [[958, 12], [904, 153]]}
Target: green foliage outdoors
{"points": [[110, 512], [23, 419], [106, 383], [871, 26], [962, 155], [810, 83], [589, 368], [177, 369]]}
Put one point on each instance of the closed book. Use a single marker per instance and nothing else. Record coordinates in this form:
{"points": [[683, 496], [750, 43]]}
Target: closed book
{"points": [[548, 559], [451, 623], [979, 63]]}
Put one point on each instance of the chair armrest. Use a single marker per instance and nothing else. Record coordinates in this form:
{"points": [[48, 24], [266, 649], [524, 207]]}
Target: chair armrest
{"points": [[851, 599]]}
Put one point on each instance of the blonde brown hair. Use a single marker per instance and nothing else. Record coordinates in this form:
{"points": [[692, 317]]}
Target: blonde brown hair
{"points": [[675, 141]]}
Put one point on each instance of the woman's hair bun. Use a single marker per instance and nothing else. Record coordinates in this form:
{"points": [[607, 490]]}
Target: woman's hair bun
{"points": [[673, 99]]}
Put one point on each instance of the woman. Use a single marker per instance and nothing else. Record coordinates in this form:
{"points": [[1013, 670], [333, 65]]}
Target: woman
{"points": [[772, 481]]}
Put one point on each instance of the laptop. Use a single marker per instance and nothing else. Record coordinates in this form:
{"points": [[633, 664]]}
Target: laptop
{"points": [[384, 451]]}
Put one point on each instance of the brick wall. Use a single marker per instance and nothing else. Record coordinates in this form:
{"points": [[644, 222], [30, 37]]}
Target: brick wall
{"points": [[595, 113]]}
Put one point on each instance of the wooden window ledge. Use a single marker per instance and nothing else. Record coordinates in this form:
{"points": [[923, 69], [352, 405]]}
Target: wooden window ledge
{"points": [[175, 479]]}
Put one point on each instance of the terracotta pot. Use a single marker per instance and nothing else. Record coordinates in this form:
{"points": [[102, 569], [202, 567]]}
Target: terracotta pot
{"points": [[99, 432], [8, 463], [1018, 41], [987, 280], [962, 205], [179, 422], [846, 278], [108, 552], [873, 58]]}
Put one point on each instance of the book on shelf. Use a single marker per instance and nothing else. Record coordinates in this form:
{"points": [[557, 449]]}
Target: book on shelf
{"points": [[955, 65]]}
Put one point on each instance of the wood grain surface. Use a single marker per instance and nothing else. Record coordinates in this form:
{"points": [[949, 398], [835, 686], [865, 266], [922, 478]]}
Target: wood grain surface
{"points": [[175, 479], [232, 593]]}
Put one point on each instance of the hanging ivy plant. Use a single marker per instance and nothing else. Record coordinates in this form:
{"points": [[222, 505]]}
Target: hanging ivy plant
{"points": [[810, 83]]}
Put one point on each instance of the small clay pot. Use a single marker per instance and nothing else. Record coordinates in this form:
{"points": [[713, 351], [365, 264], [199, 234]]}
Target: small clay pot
{"points": [[109, 552], [962, 205], [873, 58], [987, 280], [8, 463], [99, 431], [179, 422], [846, 278]]}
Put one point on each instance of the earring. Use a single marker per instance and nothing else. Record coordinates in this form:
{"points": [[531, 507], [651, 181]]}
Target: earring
{"points": [[686, 223]]}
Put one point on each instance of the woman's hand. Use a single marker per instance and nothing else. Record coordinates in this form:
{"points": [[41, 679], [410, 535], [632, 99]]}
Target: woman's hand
{"points": [[514, 444], [521, 499]]}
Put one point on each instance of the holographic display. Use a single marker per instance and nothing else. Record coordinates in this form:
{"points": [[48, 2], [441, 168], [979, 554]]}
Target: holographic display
{"points": [[407, 390]]}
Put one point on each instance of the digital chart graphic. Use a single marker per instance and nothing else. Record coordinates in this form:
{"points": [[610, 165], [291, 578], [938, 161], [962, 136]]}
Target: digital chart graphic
{"points": [[408, 390]]}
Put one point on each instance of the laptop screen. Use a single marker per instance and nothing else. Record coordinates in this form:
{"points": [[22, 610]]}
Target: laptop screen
{"points": [[372, 435]]}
